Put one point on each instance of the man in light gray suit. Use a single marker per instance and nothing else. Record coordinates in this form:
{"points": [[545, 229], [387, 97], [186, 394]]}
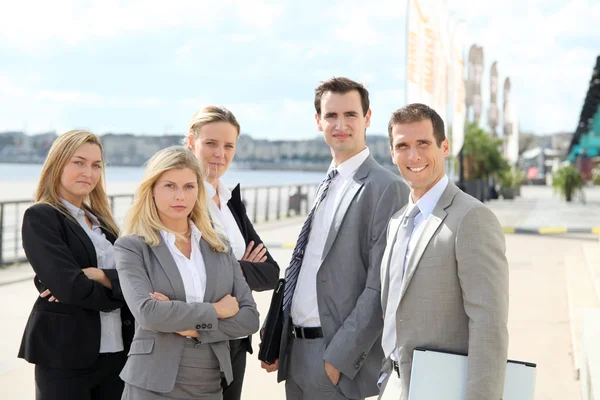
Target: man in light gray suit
{"points": [[331, 342], [444, 272]]}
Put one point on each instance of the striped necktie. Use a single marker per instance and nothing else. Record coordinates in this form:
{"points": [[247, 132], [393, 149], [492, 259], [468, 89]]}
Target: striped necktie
{"points": [[293, 270]]}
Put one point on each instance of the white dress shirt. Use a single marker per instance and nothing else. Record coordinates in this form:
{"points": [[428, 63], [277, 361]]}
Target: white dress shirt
{"points": [[426, 204], [111, 336], [193, 269], [225, 219], [305, 310]]}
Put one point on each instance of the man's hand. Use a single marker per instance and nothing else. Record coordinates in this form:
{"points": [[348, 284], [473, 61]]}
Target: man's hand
{"points": [[332, 373], [270, 367]]}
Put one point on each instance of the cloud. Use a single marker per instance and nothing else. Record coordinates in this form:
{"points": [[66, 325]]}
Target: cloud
{"points": [[359, 23], [32, 25], [549, 76]]}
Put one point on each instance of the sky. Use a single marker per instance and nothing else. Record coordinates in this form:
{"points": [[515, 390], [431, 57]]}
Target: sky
{"points": [[145, 67]]}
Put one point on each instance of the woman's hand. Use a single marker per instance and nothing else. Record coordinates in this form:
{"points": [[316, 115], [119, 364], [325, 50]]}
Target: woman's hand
{"points": [[96, 274], [256, 255], [189, 333], [157, 296], [226, 307], [47, 293]]}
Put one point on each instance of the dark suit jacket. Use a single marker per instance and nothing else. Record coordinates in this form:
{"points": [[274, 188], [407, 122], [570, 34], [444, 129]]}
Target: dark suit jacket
{"points": [[66, 334], [260, 276]]}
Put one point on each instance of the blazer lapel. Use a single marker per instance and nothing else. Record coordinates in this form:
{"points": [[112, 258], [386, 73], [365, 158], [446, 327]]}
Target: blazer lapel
{"points": [[169, 265], [385, 260], [85, 239], [431, 226], [211, 265], [353, 187]]}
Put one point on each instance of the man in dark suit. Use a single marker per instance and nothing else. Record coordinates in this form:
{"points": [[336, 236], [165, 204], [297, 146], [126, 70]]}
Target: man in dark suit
{"points": [[331, 342]]}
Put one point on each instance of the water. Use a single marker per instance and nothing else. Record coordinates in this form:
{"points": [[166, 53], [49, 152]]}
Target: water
{"points": [[18, 181]]}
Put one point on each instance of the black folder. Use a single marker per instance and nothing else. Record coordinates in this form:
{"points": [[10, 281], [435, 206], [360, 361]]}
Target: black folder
{"points": [[271, 340]]}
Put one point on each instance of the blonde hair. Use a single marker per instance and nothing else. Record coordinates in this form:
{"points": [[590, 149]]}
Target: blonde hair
{"points": [[207, 115], [59, 156], [143, 220]]}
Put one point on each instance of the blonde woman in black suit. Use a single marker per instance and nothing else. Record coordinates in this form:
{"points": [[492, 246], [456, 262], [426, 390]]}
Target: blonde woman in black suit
{"points": [[79, 330]]}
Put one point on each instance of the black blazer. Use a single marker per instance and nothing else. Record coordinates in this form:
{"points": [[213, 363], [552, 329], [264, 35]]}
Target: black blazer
{"points": [[260, 276], [66, 334]]}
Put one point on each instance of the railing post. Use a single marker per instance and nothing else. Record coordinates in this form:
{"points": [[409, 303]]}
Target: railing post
{"points": [[278, 202], [254, 217], [112, 205], [17, 242], [267, 205], [1, 232]]}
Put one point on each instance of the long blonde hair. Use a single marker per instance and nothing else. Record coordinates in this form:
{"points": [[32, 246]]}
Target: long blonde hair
{"points": [[143, 220], [208, 115], [59, 156]]}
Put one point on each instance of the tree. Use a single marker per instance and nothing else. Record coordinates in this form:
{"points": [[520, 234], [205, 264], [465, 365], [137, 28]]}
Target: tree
{"points": [[481, 153]]}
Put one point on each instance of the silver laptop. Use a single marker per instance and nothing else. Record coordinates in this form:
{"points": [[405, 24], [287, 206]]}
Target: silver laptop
{"points": [[443, 375]]}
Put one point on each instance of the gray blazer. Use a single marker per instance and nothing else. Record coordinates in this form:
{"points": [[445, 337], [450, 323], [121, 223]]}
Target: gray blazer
{"points": [[348, 284], [454, 295], [156, 350]]}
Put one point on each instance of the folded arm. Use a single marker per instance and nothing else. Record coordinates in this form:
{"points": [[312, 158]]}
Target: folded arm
{"points": [[158, 316], [245, 322], [54, 264]]}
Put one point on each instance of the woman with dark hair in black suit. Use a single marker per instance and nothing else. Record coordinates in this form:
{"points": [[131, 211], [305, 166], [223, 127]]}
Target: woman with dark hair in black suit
{"points": [[80, 329], [212, 136]]}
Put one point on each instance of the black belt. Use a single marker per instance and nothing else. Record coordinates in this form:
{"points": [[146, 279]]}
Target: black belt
{"points": [[307, 333], [396, 367], [100, 355]]}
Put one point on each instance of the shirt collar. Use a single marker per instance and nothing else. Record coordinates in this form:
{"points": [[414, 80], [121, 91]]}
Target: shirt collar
{"points": [[224, 192], [169, 237], [429, 200], [348, 167], [78, 212]]}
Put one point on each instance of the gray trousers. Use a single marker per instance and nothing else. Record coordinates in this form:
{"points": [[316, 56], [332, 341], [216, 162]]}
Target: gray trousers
{"points": [[307, 379]]}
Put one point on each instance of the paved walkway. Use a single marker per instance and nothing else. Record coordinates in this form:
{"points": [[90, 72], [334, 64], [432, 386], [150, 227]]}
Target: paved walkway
{"points": [[539, 206]]}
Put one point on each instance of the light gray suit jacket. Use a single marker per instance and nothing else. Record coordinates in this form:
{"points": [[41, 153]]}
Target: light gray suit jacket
{"points": [[348, 284], [156, 349], [454, 295]]}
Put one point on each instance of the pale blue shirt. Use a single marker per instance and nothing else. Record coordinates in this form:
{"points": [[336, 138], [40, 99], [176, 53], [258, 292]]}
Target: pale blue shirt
{"points": [[111, 336], [426, 205]]}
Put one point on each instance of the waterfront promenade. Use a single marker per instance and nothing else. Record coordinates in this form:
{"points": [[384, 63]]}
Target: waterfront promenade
{"points": [[549, 284]]}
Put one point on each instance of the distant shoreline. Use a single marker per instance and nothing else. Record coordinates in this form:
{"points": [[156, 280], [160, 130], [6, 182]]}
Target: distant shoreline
{"points": [[244, 165]]}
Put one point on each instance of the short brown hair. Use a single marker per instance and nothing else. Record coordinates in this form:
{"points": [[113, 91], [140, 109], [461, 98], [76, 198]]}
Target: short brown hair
{"points": [[341, 86], [416, 112]]}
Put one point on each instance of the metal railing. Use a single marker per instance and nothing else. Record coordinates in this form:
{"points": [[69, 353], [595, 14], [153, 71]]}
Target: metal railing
{"points": [[263, 204]]}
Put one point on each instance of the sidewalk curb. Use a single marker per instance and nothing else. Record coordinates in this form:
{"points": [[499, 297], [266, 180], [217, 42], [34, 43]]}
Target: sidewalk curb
{"points": [[549, 230]]}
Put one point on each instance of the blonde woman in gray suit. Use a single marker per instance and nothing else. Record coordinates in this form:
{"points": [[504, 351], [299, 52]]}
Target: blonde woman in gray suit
{"points": [[183, 284]]}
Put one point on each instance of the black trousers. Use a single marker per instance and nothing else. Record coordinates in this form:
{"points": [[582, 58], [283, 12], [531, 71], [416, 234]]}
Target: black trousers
{"points": [[98, 382], [238, 364]]}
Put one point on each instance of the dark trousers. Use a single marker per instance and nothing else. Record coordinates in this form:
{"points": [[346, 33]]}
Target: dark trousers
{"points": [[238, 364], [100, 381]]}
